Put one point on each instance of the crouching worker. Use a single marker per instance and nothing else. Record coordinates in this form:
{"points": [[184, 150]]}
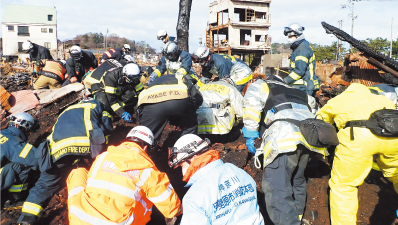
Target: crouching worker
{"points": [[121, 186], [51, 75], [221, 103], [79, 133], [220, 193], [17, 159]]}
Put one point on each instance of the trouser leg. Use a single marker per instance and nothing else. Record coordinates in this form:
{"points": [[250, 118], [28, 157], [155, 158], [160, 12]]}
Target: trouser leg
{"points": [[299, 182], [388, 160], [12, 173], [352, 163], [54, 83], [278, 191], [41, 82], [186, 117], [153, 117]]}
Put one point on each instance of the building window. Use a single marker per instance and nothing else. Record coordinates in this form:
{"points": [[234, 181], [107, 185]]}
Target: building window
{"points": [[260, 38], [47, 45], [44, 30], [20, 46], [50, 30], [50, 17], [23, 31], [10, 28]]}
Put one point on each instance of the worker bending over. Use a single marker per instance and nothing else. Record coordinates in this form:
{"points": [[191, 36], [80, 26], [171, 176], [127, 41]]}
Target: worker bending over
{"points": [[219, 193], [122, 186], [223, 66]]}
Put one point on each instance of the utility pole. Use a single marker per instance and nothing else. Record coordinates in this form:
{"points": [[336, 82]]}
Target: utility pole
{"points": [[353, 16], [106, 37], [339, 41], [391, 38]]}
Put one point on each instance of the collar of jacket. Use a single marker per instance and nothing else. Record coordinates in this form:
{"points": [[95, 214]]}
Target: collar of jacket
{"points": [[17, 132], [203, 171], [296, 44], [354, 87], [129, 156]]}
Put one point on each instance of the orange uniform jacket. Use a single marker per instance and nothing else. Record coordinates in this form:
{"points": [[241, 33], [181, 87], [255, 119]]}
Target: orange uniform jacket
{"points": [[120, 188]]}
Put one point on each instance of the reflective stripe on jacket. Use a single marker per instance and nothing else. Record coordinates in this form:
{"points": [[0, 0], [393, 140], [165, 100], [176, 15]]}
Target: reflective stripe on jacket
{"points": [[221, 193], [221, 102], [165, 88], [72, 132], [122, 186], [302, 66], [282, 136], [96, 75], [54, 68], [113, 54]]}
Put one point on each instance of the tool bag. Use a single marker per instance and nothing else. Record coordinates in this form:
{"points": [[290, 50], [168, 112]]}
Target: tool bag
{"points": [[316, 132], [383, 123]]}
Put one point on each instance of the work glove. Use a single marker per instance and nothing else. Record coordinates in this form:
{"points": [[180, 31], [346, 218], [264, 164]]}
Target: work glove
{"points": [[126, 117], [250, 137], [152, 77]]}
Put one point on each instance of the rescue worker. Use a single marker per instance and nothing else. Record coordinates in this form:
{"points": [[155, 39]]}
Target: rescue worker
{"points": [[17, 158], [388, 90], [37, 53], [174, 61], [78, 64], [116, 54], [222, 102], [52, 75], [222, 65], [302, 61], [119, 90], [96, 75], [356, 103], [79, 133], [219, 193], [164, 37], [286, 152], [122, 186], [169, 98]]}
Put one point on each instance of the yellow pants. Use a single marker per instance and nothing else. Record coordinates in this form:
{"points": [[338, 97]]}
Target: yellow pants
{"points": [[43, 82], [352, 163]]}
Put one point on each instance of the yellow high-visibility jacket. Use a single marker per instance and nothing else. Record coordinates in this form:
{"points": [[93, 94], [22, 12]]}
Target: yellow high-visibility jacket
{"points": [[122, 186]]}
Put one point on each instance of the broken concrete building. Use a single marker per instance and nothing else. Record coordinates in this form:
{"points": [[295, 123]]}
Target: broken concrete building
{"points": [[239, 27]]}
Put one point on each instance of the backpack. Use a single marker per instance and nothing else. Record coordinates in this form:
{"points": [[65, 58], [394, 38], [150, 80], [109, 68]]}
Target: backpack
{"points": [[316, 132], [383, 123]]}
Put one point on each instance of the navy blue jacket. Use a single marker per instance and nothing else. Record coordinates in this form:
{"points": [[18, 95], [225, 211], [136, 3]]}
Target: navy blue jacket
{"points": [[219, 65], [15, 149], [39, 52], [184, 58], [113, 53], [79, 68], [302, 67]]}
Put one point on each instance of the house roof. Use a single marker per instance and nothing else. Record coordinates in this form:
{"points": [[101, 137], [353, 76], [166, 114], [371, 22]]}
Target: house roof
{"points": [[29, 14]]}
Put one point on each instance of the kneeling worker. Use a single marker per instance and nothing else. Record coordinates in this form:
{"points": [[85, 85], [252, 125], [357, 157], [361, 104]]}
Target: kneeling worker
{"points": [[121, 186], [220, 193], [52, 75]]}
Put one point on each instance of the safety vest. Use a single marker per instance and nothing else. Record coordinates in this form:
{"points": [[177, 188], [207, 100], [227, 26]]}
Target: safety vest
{"points": [[122, 186], [54, 68], [165, 88]]}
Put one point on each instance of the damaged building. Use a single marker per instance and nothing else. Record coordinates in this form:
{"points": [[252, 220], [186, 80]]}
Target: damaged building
{"points": [[239, 27]]}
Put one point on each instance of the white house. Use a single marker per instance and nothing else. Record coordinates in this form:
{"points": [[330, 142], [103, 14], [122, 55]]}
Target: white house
{"points": [[24, 22]]}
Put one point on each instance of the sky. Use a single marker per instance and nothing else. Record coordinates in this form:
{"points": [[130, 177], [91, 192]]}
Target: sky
{"points": [[140, 20]]}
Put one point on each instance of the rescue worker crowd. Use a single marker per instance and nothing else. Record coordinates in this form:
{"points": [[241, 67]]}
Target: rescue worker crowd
{"points": [[123, 183]]}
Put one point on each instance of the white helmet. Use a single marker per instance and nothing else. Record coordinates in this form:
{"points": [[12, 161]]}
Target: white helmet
{"points": [[132, 72], [127, 48], [128, 58], [170, 51], [185, 148], [141, 133], [75, 52], [22, 119], [27, 46], [162, 34], [293, 29], [200, 54]]}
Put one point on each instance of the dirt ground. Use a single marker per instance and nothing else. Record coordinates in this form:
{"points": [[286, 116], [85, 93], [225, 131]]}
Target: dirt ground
{"points": [[377, 198]]}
